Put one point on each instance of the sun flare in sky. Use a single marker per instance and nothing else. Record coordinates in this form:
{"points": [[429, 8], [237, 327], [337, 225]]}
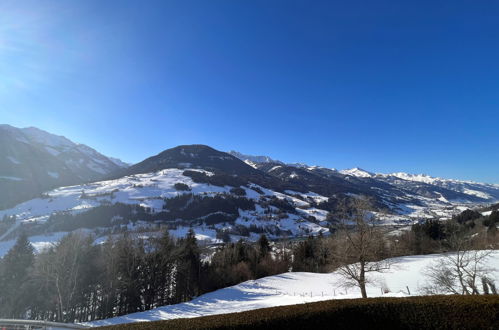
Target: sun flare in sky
{"points": [[385, 86]]}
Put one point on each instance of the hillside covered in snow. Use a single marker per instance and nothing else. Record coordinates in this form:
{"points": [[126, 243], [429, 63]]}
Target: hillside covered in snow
{"points": [[406, 278], [33, 161], [220, 195]]}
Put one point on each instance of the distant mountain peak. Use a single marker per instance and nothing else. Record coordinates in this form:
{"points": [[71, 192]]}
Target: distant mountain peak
{"points": [[299, 165], [358, 172], [425, 178], [119, 162], [254, 159], [192, 156]]}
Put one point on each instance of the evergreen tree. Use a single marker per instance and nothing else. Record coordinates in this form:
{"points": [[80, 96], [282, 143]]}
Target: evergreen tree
{"points": [[189, 268], [263, 246], [130, 270], [494, 217], [15, 270]]}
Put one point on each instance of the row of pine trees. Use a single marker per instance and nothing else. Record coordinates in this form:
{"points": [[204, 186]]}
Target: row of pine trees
{"points": [[77, 280]]}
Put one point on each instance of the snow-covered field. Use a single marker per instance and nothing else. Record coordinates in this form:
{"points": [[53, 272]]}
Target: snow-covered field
{"points": [[296, 288]]}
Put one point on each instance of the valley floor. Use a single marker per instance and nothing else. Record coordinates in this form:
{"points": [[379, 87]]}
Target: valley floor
{"points": [[405, 278]]}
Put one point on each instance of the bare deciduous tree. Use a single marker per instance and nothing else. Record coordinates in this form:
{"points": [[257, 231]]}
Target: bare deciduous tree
{"points": [[61, 268], [359, 248], [459, 271]]}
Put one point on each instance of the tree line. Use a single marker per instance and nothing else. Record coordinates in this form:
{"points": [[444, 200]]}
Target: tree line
{"points": [[77, 280]]}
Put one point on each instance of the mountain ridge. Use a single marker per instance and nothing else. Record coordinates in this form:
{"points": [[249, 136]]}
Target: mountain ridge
{"points": [[33, 160], [219, 194], [411, 181], [403, 175]]}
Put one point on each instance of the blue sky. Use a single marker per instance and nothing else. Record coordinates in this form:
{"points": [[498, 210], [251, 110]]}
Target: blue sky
{"points": [[383, 85]]}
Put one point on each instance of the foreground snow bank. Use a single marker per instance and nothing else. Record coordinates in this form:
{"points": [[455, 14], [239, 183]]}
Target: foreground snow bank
{"points": [[294, 288]]}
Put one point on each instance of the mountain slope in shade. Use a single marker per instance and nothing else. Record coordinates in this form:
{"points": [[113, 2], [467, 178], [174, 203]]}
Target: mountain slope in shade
{"points": [[275, 176], [192, 156], [197, 156], [313, 181], [32, 161]]}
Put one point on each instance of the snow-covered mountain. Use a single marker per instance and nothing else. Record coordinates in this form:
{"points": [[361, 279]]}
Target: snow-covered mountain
{"points": [[32, 161], [430, 186], [419, 184], [423, 184], [218, 194], [215, 193], [481, 190], [253, 159], [358, 172]]}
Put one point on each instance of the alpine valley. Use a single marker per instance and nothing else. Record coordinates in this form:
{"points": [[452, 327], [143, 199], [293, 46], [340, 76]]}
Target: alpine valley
{"points": [[50, 186]]}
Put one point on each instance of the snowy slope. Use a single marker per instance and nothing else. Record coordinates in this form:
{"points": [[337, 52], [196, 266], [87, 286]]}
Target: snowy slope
{"points": [[150, 189], [142, 189], [32, 160], [294, 288], [358, 172], [300, 189]]}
